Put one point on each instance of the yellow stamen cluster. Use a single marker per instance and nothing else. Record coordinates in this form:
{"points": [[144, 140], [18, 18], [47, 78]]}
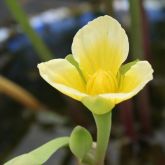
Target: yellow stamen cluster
{"points": [[101, 82]]}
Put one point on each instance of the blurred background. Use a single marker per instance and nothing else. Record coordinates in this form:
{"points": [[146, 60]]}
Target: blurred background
{"points": [[32, 112]]}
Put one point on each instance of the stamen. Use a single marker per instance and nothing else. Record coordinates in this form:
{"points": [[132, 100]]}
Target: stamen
{"points": [[101, 82]]}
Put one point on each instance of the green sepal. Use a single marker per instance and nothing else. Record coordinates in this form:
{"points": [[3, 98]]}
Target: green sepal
{"points": [[124, 68], [97, 104], [71, 59], [41, 154], [80, 142]]}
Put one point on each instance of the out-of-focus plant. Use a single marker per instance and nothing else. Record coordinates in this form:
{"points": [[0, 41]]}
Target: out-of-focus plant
{"points": [[139, 50], [109, 7], [18, 93], [96, 76], [20, 16], [136, 30]]}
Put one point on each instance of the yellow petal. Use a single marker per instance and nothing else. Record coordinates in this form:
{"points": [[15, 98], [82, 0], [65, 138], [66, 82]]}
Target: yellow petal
{"points": [[137, 76], [63, 76], [101, 44], [132, 82]]}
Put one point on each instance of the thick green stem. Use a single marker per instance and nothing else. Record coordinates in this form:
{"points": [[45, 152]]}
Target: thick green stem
{"points": [[103, 123]]}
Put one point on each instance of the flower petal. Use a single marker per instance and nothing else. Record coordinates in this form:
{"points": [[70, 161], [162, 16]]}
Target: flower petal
{"points": [[136, 77], [133, 80], [101, 44], [63, 76]]}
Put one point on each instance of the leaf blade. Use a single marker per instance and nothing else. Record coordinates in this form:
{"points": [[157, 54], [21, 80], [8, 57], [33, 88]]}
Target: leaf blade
{"points": [[41, 154]]}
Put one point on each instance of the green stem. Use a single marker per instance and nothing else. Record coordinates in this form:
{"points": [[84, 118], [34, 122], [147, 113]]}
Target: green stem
{"points": [[103, 123], [21, 17]]}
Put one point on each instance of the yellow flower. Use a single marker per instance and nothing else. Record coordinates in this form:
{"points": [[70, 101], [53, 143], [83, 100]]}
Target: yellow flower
{"points": [[95, 73]]}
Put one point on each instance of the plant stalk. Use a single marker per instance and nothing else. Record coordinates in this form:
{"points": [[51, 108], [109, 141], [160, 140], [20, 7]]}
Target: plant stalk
{"points": [[103, 124]]}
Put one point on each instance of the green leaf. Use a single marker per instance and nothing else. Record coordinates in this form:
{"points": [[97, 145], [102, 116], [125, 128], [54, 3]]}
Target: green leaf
{"points": [[80, 142], [41, 154]]}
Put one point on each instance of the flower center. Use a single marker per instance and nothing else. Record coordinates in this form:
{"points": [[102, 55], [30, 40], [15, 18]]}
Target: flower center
{"points": [[101, 82]]}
